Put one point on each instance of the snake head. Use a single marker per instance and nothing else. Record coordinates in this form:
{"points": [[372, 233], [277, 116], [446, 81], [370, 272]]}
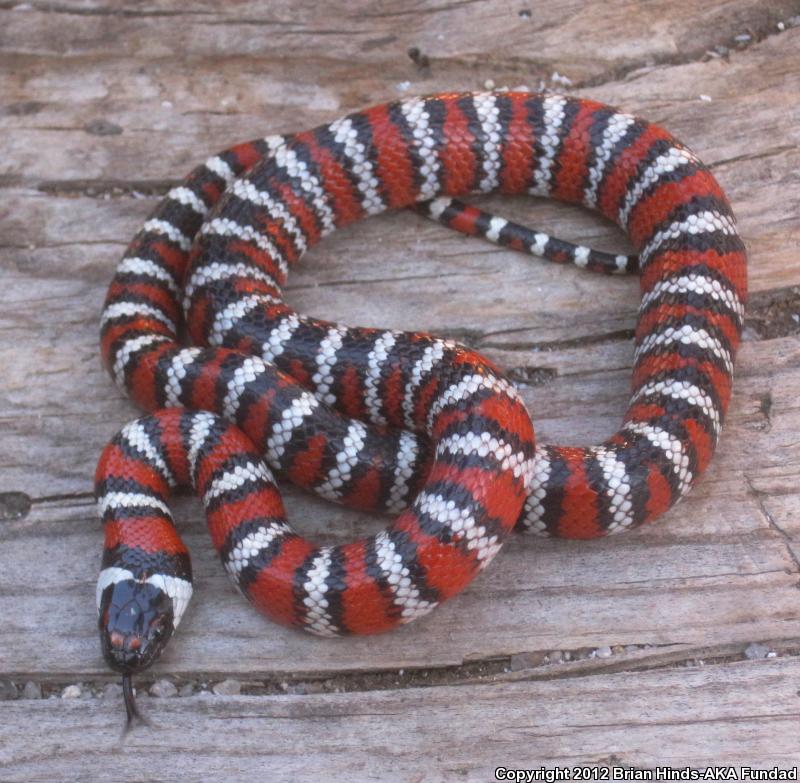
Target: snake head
{"points": [[136, 622], [137, 616]]}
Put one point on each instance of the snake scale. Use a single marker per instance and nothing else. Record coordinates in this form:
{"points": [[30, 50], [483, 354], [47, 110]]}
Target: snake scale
{"points": [[399, 422]]}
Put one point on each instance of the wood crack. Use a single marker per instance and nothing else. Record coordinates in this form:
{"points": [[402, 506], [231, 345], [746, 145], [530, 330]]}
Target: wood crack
{"points": [[760, 155], [762, 506], [766, 29], [103, 188], [419, 11], [487, 672], [618, 335], [60, 8]]}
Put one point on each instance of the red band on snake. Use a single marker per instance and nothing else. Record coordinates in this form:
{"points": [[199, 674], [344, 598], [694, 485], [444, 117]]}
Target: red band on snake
{"points": [[394, 421]]}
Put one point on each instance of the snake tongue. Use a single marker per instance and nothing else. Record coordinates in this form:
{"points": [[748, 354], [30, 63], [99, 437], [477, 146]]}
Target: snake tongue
{"points": [[131, 708]]}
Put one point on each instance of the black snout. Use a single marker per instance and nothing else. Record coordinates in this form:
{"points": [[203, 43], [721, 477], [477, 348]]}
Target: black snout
{"points": [[136, 621]]}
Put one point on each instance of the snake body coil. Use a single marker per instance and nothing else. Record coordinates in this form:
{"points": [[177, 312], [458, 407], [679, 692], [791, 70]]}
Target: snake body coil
{"points": [[384, 420]]}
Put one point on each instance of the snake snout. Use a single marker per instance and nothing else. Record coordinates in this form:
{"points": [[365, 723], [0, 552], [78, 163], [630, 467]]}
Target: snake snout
{"points": [[136, 621]]}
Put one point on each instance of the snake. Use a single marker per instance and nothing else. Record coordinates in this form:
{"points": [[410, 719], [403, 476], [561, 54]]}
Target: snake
{"points": [[240, 387]]}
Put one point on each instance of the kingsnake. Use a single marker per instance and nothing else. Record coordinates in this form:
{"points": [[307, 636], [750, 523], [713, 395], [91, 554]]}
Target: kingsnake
{"points": [[394, 421]]}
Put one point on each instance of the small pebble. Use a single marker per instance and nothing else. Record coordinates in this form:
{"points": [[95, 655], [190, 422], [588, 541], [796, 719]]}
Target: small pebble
{"points": [[617, 649], [163, 689], [489, 84], [228, 688], [631, 648], [567, 655], [32, 690], [186, 690], [704, 97], [305, 688], [603, 652], [527, 660], [755, 651], [112, 691], [781, 26], [8, 690], [403, 86], [556, 656], [525, 14], [743, 38], [72, 692], [750, 334]]}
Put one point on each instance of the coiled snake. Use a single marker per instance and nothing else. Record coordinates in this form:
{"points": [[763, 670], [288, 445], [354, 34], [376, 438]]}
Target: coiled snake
{"points": [[394, 421]]}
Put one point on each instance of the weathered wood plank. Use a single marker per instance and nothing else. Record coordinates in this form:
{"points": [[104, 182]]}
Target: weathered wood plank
{"points": [[104, 102], [53, 440], [719, 566], [366, 41], [744, 713]]}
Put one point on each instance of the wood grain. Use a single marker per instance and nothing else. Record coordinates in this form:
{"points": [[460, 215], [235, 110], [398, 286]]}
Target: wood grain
{"points": [[743, 714], [104, 104]]}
